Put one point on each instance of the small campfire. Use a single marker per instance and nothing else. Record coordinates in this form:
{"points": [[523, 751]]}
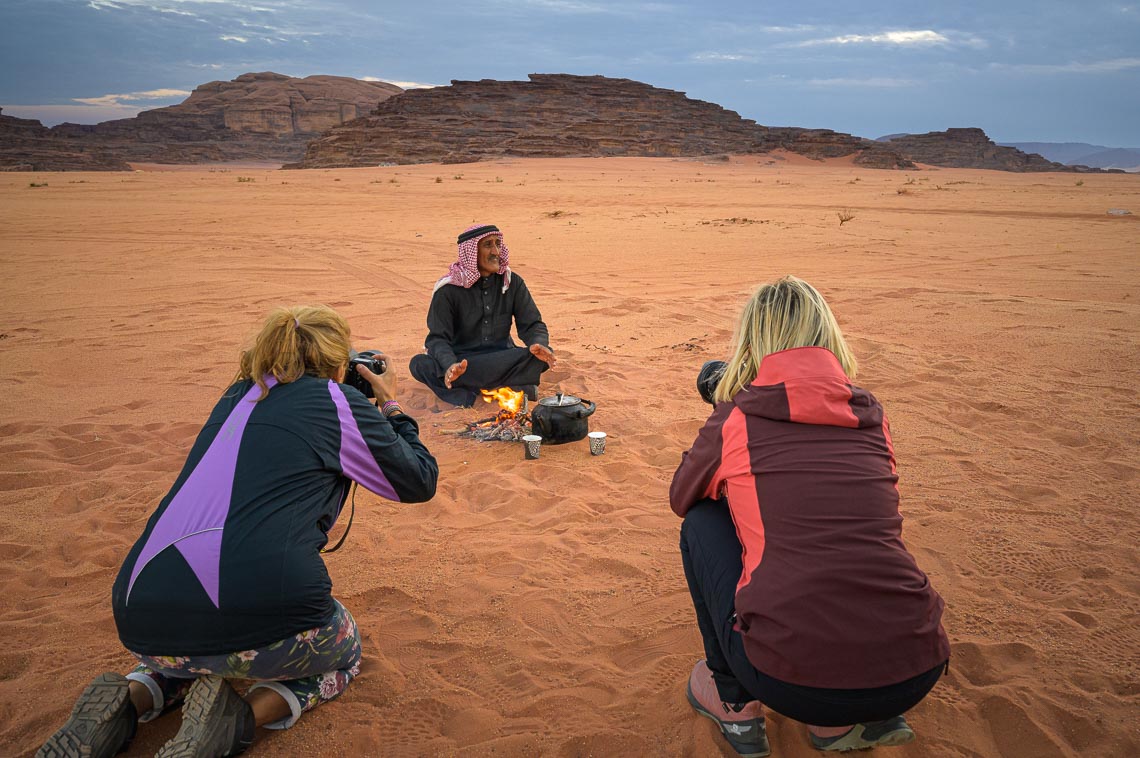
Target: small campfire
{"points": [[510, 424]]}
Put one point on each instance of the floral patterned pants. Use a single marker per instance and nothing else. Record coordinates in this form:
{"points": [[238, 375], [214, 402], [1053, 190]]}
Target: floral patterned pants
{"points": [[307, 669]]}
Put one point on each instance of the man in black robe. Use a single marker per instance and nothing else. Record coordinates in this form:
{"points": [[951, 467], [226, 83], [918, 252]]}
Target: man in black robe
{"points": [[469, 345]]}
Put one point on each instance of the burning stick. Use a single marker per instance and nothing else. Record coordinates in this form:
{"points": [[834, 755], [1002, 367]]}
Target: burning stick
{"points": [[510, 424]]}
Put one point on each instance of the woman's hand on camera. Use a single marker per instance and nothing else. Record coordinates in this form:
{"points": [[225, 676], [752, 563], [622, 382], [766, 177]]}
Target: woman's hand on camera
{"points": [[383, 385]]}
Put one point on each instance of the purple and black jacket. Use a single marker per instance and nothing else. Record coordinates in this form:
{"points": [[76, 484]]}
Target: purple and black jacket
{"points": [[230, 560], [829, 596]]}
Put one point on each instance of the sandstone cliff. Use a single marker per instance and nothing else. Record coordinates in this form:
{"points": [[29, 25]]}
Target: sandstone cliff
{"points": [[262, 116], [559, 115], [28, 145], [971, 148]]}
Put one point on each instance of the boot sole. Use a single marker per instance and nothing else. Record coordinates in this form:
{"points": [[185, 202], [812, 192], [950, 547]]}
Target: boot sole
{"points": [[744, 750], [890, 739], [204, 723], [100, 703]]}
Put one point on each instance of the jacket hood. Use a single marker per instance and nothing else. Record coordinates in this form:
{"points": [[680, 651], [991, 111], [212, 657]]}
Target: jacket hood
{"points": [[807, 385]]}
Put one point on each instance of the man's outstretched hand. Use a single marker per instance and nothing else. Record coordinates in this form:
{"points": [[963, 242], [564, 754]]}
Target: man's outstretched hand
{"points": [[543, 353], [454, 371]]}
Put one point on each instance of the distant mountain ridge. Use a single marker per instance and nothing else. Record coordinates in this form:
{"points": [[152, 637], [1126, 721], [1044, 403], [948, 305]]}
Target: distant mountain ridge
{"points": [[1083, 154], [333, 122]]}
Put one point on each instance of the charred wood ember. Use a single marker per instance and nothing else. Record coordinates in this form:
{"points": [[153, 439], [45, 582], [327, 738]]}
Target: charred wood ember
{"points": [[507, 427]]}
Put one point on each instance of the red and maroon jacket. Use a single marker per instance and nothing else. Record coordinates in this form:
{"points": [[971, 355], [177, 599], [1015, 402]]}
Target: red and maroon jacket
{"points": [[829, 596]]}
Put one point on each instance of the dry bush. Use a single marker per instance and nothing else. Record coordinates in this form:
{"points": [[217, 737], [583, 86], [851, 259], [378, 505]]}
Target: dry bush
{"points": [[844, 215]]}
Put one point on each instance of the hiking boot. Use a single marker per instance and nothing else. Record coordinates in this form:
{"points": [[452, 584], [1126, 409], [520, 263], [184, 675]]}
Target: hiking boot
{"points": [[102, 723], [742, 724], [216, 721], [709, 378], [863, 736]]}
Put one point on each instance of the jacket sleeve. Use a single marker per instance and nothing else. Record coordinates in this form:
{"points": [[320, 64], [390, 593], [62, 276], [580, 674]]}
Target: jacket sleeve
{"points": [[697, 476], [528, 320], [385, 455], [441, 327]]}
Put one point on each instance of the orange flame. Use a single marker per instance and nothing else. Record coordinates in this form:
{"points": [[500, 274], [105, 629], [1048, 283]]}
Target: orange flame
{"points": [[509, 400]]}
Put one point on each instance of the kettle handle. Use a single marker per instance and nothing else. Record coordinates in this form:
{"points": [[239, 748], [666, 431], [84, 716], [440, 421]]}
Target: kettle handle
{"points": [[586, 409]]}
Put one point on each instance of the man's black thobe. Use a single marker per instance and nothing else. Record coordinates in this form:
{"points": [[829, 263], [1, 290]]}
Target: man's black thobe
{"points": [[474, 323]]}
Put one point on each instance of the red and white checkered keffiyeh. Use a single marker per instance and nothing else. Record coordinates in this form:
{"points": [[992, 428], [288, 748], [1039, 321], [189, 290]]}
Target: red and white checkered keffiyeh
{"points": [[465, 271]]}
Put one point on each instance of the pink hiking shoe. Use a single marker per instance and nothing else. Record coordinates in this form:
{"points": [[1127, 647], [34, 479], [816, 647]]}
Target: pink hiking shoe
{"points": [[742, 724]]}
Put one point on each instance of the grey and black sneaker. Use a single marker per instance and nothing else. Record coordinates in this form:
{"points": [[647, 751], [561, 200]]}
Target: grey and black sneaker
{"points": [[102, 723], [742, 724], [863, 736], [216, 722]]}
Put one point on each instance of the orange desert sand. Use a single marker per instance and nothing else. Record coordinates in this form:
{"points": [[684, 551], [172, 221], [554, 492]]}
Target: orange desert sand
{"points": [[539, 607]]}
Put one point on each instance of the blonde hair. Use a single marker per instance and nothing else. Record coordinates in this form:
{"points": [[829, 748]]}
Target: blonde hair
{"points": [[779, 316], [303, 339]]}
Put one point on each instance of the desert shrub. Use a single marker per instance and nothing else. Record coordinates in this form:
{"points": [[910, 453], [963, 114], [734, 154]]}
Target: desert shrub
{"points": [[844, 215]]}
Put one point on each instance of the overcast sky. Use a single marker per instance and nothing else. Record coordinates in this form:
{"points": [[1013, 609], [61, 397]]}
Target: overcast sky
{"points": [[1022, 70]]}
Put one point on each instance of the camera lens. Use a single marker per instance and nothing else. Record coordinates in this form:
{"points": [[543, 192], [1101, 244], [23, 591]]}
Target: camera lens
{"points": [[708, 379]]}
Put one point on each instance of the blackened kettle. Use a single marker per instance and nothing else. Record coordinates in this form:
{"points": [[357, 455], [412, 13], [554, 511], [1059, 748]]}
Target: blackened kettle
{"points": [[561, 418]]}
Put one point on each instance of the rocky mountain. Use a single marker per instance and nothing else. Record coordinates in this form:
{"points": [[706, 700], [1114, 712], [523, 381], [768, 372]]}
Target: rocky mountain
{"points": [[561, 115], [971, 148], [263, 116], [28, 145]]}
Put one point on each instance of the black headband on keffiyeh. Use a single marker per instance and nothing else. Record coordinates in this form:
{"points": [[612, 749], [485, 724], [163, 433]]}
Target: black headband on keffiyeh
{"points": [[465, 271], [477, 231]]}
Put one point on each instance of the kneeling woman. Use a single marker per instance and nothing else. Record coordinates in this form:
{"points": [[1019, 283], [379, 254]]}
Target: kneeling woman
{"points": [[227, 581], [806, 598]]}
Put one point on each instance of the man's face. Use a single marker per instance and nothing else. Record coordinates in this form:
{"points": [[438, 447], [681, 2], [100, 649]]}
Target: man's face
{"points": [[489, 249]]}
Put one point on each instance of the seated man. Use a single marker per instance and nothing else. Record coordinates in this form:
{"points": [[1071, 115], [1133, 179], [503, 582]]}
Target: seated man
{"points": [[469, 345]]}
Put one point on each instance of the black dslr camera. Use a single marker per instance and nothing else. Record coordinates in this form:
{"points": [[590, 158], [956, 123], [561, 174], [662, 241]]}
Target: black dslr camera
{"points": [[372, 361]]}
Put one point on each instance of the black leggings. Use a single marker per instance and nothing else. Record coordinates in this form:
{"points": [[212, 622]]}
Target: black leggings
{"points": [[711, 554]]}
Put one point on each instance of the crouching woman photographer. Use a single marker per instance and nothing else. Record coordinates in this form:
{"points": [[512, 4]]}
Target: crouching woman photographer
{"points": [[226, 580], [806, 598]]}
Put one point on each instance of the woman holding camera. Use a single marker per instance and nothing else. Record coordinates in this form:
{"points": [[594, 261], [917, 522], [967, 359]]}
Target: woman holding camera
{"points": [[806, 598], [227, 580]]}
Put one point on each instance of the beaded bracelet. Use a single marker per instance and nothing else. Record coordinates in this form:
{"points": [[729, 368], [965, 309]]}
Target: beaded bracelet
{"points": [[389, 407]]}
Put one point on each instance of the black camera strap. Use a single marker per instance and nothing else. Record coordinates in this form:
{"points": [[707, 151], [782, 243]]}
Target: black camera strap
{"points": [[351, 515]]}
